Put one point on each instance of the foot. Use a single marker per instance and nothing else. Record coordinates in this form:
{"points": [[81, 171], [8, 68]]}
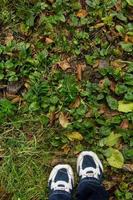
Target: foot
{"points": [[61, 178], [89, 166]]}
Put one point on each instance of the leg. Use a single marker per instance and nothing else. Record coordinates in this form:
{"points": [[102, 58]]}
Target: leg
{"points": [[90, 171], [61, 183]]}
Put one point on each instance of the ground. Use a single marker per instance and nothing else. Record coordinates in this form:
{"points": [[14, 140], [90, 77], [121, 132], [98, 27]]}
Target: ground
{"points": [[66, 85]]}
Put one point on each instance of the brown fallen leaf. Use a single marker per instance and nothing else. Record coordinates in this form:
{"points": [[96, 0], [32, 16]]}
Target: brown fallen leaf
{"points": [[128, 38], [66, 148], [64, 65], [82, 13], [109, 184], [101, 83], [17, 99], [76, 103], [80, 69], [112, 86], [118, 5], [10, 96], [89, 114], [128, 167], [63, 119], [9, 38], [14, 87], [48, 40], [124, 124]]}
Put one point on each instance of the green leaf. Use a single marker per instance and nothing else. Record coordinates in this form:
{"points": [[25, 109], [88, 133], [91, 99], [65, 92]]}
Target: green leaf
{"points": [[125, 106], [129, 95], [116, 158], [128, 47], [111, 140], [130, 2], [120, 29], [34, 106], [128, 78], [93, 4], [113, 104], [1, 76], [54, 99], [120, 89]]}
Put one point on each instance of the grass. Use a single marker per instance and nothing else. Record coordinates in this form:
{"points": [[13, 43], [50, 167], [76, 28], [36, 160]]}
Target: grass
{"points": [[66, 85]]}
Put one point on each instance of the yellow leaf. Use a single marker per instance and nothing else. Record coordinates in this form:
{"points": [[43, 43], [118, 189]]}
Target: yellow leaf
{"points": [[99, 25], [74, 136], [82, 13], [63, 120], [116, 158], [125, 106]]}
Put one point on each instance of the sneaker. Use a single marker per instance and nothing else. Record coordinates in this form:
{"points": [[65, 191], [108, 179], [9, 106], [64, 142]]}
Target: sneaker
{"points": [[61, 178], [89, 166]]}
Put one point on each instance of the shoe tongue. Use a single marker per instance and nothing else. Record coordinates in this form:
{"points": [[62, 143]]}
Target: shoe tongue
{"points": [[88, 161], [62, 175]]}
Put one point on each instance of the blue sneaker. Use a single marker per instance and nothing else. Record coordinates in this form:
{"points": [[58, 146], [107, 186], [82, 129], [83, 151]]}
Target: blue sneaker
{"points": [[89, 166], [61, 179]]}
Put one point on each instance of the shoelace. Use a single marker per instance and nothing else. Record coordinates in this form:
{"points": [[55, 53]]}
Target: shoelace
{"points": [[90, 172], [61, 185]]}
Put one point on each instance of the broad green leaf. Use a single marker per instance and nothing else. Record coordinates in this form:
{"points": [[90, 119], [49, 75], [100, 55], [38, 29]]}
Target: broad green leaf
{"points": [[128, 47], [74, 136], [113, 104], [130, 2], [125, 106], [128, 78], [116, 158], [120, 29], [1, 76], [111, 140]]}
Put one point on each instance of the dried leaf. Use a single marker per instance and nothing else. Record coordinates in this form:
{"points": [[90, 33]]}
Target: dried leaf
{"points": [[80, 69], [64, 65], [124, 124], [101, 83], [82, 13], [17, 99], [128, 167], [14, 87], [48, 40], [112, 85], [74, 136], [9, 38], [118, 5], [109, 184], [76, 103], [64, 122], [66, 148], [128, 39]]}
